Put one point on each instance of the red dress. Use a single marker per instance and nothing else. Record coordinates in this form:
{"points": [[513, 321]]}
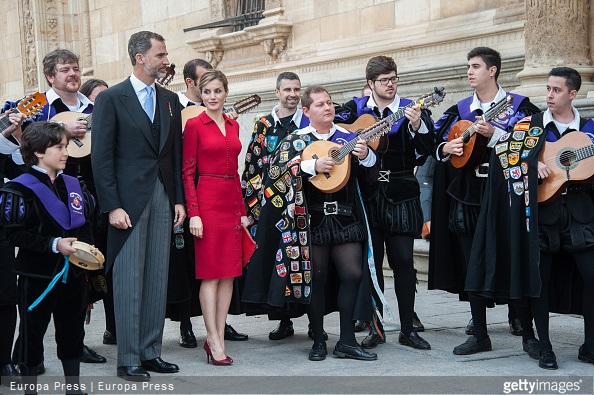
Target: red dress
{"points": [[216, 198]]}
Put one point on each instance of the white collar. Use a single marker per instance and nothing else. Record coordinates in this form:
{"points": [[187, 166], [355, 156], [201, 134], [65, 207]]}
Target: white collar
{"points": [[476, 103], [296, 117], [52, 96], [575, 124], [139, 85], [41, 170], [184, 100], [310, 129], [392, 106]]}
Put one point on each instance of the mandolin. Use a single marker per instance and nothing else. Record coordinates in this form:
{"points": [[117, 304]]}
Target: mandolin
{"points": [[379, 145], [571, 160], [338, 177], [475, 144], [241, 106]]}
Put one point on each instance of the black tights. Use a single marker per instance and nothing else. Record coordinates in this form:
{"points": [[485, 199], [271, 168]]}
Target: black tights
{"points": [[540, 306], [8, 317], [347, 260], [399, 250]]}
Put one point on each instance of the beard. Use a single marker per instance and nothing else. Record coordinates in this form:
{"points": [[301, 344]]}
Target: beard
{"points": [[152, 71]]}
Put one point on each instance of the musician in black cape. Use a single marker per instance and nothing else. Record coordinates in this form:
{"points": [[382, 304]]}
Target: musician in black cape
{"points": [[458, 193]]}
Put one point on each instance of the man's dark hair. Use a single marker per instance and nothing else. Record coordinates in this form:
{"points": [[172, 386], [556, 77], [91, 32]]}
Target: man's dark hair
{"points": [[489, 56], [87, 88], [379, 65], [190, 69], [306, 98], [573, 79], [140, 43], [39, 136], [53, 58], [286, 75]]}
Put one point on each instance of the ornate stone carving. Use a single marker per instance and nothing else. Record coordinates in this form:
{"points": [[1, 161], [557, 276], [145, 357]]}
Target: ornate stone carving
{"points": [[272, 33], [87, 54], [214, 57], [29, 51]]}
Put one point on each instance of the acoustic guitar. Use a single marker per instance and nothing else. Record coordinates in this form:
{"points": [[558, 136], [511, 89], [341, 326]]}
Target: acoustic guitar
{"points": [[168, 77], [571, 160], [30, 106], [338, 177], [241, 106], [475, 144]]}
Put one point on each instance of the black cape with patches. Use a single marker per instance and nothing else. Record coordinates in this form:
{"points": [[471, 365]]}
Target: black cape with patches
{"points": [[269, 276], [447, 270], [504, 260]]}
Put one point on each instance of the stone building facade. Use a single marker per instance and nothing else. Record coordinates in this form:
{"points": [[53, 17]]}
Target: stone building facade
{"points": [[325, 42]]}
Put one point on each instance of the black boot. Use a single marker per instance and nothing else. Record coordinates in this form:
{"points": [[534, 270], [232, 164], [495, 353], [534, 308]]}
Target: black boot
{"points": [[29, 378]]}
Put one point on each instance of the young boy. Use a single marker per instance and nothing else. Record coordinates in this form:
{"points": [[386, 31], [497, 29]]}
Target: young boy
{"points": [[44, 212]]}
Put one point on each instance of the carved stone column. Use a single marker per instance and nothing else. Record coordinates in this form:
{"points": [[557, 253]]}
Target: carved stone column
{"points": [[556, 34]]}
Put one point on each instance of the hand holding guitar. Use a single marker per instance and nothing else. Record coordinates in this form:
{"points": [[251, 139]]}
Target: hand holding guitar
{"points": [[413, 114], [76, 128], [361, 150], [484, 128], [16, 121], [543, 170], [232, 114], [454, 147]]}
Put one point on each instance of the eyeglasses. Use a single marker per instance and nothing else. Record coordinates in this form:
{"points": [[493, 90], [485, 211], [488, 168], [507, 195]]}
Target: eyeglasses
{"points": [[384, 81]]}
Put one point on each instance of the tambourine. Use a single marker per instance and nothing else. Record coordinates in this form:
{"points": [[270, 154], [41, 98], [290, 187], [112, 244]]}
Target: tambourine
{"points": [[87, 256]]}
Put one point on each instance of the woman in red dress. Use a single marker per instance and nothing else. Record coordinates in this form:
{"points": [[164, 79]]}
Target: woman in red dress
{"points": [[215, 207]]}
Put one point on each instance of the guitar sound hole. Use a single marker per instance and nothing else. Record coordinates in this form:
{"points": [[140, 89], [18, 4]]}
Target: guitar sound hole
{"points": [[567, 158]]}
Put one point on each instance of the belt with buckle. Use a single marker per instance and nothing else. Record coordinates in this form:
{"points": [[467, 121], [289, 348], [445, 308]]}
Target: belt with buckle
{"points": [[386, 175], [579, 187], [225, 176], [482, 170], [332, 208]]}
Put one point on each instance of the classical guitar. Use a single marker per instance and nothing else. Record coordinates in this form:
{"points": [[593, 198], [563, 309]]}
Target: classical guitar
{"points": [[338, 177], [241, 106], [475, 144], [571, 160], [82, 145], [29, 106]]}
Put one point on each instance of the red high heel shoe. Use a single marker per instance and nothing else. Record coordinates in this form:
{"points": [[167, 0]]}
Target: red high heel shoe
{"points": [[222, 362]]}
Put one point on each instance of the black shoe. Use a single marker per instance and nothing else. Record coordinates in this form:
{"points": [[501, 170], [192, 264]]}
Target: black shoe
{"points": [[109, 338], [470, 328], [417, 324], [133, 373], [515, 327], [11, 373], [360, 326], [355, 352], [472, 346], [548, 360], [159, 366], [310, 333], [373, 340], [40, 368], [282, 331], [187, 339], [585, 355], [414, 340], [318, 352], [532, 347], [91, 356], [232, 335]]}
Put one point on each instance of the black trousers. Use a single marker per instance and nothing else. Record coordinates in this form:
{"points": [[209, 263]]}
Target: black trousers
{"points": [[67, 302]]}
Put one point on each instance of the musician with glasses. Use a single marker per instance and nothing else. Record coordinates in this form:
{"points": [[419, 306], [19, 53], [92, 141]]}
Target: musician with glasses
{"points": [[458, 193], [560, 231], [392, 198]]}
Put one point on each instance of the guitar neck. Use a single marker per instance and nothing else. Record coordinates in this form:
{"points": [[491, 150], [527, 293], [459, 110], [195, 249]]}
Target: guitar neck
{"points": [[584, 152], [5, 122], [488, 116]]}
